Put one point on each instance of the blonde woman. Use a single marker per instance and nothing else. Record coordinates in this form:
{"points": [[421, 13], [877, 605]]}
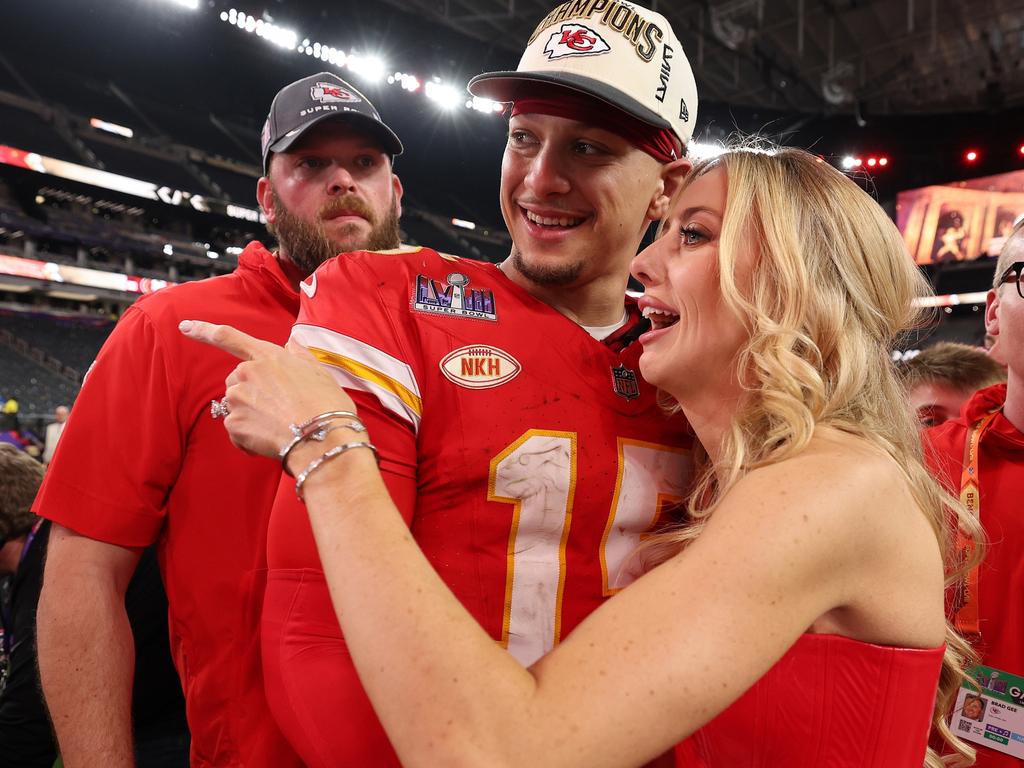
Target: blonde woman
{"points": [[796, 620]]}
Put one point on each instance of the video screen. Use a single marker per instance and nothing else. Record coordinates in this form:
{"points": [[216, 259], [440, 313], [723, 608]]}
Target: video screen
{"points": [[960, 221]]}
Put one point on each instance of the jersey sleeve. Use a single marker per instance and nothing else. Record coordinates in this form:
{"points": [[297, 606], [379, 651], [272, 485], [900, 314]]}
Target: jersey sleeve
{"points": [[122, 447], [354, 319]]}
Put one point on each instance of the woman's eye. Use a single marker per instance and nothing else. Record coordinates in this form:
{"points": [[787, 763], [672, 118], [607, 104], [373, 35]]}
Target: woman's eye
{"points": [[691, 236]]}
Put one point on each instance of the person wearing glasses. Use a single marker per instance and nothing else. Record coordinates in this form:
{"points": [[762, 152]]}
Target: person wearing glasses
{"points": [[981, 457]]}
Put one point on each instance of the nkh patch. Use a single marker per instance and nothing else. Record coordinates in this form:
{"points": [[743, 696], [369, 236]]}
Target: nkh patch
{"points": [[328, 92], [575, 40], [624, 383], [453, 298], [479, 367]]}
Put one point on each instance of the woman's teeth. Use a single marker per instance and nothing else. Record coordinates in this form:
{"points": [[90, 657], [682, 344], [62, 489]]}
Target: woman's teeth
{"points": [[660, 318]]}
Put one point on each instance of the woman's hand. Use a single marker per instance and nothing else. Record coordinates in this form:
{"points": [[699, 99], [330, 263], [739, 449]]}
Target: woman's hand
{"points": [[270, 390]]}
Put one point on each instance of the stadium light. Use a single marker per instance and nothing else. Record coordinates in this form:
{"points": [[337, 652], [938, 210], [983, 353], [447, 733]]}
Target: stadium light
{"points": [[103, 125], [848, 162], [971, 155], [445, 96], [369, 67], [485, 105]]}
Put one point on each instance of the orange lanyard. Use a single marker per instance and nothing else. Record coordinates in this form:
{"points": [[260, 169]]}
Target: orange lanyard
{"points": [[970, 496]]}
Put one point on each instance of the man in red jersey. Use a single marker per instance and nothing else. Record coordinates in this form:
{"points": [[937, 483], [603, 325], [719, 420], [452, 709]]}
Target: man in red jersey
{"points": [[980, 456], [142, 461], [515, 432]]}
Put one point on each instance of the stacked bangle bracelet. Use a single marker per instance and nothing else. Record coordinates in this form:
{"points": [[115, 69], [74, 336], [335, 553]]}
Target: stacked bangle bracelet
{"points": [[317, 429], [324, 458]]}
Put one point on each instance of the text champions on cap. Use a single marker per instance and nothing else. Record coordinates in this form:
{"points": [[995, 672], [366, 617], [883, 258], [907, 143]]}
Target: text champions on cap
{"points": [[641, 33]]}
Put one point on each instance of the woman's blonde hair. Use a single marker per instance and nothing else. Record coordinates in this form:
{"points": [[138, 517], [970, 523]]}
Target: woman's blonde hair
{"points": [[833, 288]]}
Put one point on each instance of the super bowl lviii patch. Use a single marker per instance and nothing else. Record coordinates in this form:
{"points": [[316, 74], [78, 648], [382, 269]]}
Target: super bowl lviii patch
{"points": [[453, 298]]}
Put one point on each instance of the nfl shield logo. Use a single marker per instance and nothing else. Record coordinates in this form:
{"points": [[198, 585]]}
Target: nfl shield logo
{"points": [[624, 382]]}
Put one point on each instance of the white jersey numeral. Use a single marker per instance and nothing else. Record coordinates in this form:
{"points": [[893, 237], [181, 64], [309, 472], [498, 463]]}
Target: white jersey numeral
{"points": [[537, 475]]}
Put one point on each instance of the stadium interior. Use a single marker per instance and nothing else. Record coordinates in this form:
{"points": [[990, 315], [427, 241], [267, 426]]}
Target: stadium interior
{"points": [[129, 133]]}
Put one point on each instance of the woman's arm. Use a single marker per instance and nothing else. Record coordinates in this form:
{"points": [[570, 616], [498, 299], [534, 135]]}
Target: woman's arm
{"points": [[641, 673]]}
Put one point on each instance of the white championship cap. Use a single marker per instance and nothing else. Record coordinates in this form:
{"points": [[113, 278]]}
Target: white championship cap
{"points": [[618, 52]]}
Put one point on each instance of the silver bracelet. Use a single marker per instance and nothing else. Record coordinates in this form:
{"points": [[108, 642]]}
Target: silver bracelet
{"points": [[327, 456], [317, 429], [298, 429]]}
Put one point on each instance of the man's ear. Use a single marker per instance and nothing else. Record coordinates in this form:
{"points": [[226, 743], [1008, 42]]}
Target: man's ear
{"points": [[265, 198], [396, 185], [672, 176], [992, 313]]}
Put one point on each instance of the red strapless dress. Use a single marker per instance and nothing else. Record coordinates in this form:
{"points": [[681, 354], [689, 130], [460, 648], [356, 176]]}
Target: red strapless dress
{"points": [[830, 702]]}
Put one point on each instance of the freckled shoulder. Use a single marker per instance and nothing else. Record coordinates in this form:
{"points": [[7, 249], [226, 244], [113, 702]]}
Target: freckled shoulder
{"points": [[841, 481]]}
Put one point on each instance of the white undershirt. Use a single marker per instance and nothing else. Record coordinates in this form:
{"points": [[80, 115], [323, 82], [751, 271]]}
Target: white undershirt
{"points": [[602, 332]]}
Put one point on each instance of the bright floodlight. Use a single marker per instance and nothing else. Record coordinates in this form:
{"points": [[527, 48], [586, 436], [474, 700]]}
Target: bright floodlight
{"points": [[848, 162], [369, 67], [484, 105], [109, 127], [444, 95], [192, 5]]}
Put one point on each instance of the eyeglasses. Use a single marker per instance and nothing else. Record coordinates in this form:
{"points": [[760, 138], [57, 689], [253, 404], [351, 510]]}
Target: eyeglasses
{"points": [[1013, 274]]}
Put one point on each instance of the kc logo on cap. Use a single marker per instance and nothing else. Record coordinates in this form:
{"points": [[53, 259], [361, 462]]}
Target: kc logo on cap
{"points": [[329, 92], [621, 53], [575, 40]]}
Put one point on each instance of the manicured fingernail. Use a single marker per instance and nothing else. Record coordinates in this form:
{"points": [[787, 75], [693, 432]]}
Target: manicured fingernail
{"points": [[185, 326]]}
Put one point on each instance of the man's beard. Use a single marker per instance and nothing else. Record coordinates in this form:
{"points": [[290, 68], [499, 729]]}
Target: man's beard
{"points": [[307, 244], [555, 274]]}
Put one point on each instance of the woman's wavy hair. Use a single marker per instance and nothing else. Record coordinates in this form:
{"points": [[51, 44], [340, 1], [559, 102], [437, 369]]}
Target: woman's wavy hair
{"points": [[833, 289]]}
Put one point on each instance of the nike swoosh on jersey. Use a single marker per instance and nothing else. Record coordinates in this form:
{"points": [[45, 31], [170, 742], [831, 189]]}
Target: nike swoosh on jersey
{"points": [[309, 288]]}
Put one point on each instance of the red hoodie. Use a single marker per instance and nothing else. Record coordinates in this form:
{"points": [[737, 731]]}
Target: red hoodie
{"points": [[1001, 579]]}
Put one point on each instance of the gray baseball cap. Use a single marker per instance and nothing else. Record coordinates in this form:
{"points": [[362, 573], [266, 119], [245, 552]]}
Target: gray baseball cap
{"points": [[301, 105]]}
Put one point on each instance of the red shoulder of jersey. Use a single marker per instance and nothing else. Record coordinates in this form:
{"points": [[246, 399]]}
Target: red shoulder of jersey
{"points": [[358, 313]]}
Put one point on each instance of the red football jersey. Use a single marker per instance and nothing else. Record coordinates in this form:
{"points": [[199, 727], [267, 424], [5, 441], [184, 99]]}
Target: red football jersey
{"points": [[528, 458]]}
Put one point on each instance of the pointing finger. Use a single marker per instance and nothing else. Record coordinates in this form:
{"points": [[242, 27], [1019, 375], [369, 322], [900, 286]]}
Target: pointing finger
{"points": [[231, 340]]}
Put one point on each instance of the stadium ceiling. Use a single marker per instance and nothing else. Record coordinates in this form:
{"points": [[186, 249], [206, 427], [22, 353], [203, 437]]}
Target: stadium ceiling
{"points": [[818, 56]]}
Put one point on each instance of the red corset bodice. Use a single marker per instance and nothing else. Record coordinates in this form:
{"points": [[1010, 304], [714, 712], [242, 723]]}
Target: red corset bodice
{"points": [[830, 702]]}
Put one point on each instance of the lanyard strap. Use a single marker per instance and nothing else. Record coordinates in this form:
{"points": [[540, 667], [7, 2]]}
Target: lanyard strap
{"points": [[8, 619], [967, 621]]}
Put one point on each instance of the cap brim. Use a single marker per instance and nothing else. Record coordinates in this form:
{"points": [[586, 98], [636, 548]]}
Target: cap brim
{"points": [[387, 138], [509, 86]]}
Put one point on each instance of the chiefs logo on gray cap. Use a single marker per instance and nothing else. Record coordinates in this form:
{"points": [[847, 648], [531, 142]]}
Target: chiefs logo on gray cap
{"points": [[327, 93]]}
